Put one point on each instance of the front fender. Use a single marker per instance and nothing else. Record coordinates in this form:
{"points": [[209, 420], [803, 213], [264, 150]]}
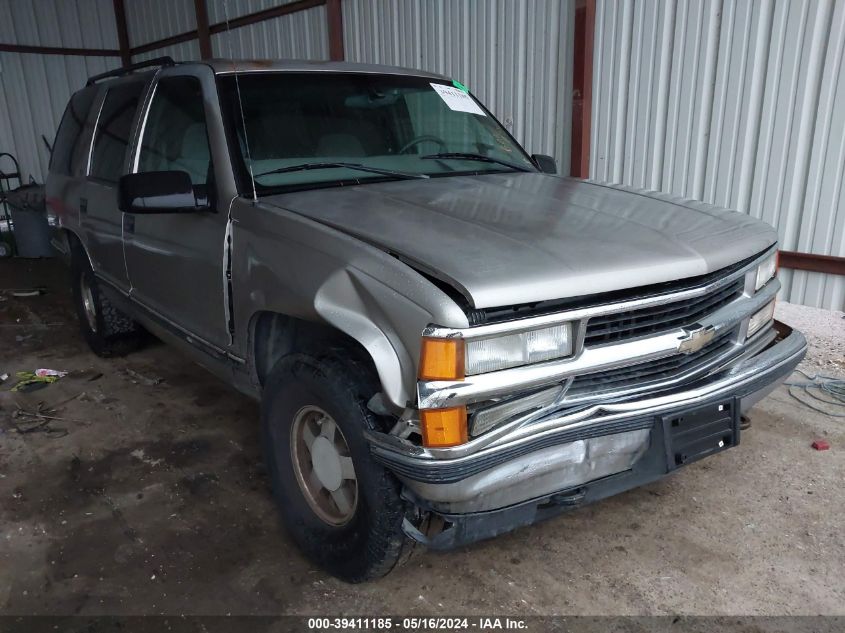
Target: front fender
{"points": [[290, 265], [380, 319]]}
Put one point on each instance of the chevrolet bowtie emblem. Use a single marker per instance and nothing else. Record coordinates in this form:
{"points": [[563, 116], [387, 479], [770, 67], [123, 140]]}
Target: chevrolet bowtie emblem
{"points": [[695, 338]]}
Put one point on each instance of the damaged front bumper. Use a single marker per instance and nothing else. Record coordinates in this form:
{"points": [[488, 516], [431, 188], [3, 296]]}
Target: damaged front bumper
{"points": [[584, 455]]}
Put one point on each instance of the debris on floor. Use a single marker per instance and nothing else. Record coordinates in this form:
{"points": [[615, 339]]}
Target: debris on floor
{"points": [[38, 379], [821, 445], [97, 396], [136, 377], [41, 419], [34, 292], [44, 373]]}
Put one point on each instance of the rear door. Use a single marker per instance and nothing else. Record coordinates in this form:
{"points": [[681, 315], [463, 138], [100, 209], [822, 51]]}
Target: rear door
{"points": [[176, 260], [108, 160], [69, 160]]}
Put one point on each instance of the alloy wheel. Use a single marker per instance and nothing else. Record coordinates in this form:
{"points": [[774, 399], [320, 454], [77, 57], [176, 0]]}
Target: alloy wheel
{"points": [[323, 466]]}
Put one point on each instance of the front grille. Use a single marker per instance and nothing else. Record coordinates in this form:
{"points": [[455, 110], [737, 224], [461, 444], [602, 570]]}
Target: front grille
{"points": [[632, 323], [651, 371]]}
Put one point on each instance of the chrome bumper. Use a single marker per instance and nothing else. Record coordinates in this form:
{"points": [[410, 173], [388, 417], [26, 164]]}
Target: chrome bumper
{"points": [[580, 446]]}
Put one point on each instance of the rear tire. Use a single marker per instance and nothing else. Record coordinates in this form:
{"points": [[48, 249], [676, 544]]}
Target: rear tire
{"points": [[108, 331], [349, 523]]}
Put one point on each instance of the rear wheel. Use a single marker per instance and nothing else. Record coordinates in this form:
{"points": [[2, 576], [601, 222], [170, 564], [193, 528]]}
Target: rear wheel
{"points": [[342, 508], [108, 331]]}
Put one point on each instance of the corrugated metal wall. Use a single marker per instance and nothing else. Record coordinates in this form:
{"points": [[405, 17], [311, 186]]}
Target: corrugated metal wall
{"points": [[34, 89], [737, 103], [217, 9], [151, 20], [300, 35], [515, 55]]}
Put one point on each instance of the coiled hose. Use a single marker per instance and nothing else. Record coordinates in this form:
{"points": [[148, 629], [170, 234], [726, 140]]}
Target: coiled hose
{"points": [[820, 389]]}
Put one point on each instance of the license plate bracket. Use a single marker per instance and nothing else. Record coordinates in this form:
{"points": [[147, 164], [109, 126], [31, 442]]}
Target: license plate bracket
{"points": [[698, 432]]}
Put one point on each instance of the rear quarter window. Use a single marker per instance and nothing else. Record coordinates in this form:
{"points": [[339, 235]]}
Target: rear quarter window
{"points": [[114, 130], [70, 131]]}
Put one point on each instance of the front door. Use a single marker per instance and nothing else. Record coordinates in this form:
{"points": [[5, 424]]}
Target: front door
{"points": [[175, 260]]}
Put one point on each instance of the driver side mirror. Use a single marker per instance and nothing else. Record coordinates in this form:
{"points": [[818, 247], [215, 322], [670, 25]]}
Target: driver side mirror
{"points": [[545, 164], [158, 192]]}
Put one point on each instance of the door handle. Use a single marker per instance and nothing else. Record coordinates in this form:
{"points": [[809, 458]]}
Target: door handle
{"points": [[83, 206]]}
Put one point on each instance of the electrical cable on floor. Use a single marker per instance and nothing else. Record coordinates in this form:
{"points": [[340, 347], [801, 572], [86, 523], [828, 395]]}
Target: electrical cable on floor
{"points": [[828, 385]]}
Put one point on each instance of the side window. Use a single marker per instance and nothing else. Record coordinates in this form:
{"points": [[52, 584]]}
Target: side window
{"points": [[114, 131], [70, 132], [175, 135]]}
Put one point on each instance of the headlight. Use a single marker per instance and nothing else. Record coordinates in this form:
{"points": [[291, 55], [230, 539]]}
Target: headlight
{"points": [[760, 318], [512, 350], [765, 271]]}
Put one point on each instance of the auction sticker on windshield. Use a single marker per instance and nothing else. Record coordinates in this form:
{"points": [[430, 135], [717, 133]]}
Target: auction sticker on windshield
{"points": [[457, 100]]}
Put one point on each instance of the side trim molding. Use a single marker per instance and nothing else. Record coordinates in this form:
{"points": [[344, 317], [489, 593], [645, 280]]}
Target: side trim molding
{"points": [[196, 341]]}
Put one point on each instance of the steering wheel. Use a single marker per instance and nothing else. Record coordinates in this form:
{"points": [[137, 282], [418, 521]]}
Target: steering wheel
{"points": [[425, 138]]}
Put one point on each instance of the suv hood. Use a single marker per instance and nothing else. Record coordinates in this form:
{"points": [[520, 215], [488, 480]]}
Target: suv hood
{"points": [[506, 239]]}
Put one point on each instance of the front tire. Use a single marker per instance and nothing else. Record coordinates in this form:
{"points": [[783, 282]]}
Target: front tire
{"points": [[342, 508], [108, 331]]}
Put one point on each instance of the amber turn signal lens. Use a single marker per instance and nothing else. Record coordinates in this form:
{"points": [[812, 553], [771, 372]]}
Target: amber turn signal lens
{"points": [[444, 427], [442, 359]]}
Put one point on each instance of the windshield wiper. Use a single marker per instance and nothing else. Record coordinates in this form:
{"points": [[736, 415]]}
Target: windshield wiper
{"points": [[478, 157], [358, 166]]}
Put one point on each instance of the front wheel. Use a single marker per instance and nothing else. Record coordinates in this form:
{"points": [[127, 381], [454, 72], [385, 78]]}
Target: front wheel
{"points": [[342, 508]]}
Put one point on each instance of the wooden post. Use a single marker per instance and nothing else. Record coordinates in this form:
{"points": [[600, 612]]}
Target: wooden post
{"points": [[582, 87], [122, 33], [203, 32], [334, 15]]}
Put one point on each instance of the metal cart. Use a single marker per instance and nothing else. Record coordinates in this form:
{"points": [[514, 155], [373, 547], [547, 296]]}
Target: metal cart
{"points": [[7, 238]]}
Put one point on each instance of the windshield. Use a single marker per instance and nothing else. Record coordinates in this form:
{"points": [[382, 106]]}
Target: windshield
{"points": [[321, 129]]}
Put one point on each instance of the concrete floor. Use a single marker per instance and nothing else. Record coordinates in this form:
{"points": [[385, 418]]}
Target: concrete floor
{"points": [[155, 501]]}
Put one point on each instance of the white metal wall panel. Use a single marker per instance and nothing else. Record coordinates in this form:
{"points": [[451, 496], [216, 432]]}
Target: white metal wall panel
{"points": [[732, 102], [34, 89], [514, 55], [151, 20], [300, 35], [79, 24], [217, 9]]}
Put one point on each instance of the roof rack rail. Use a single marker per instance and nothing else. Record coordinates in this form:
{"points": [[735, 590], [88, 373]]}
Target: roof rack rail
{"points": [[125, 70]]}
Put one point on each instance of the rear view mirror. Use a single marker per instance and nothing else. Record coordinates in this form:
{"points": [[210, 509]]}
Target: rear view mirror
{"points": [[545, 164], [158, 192]]}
